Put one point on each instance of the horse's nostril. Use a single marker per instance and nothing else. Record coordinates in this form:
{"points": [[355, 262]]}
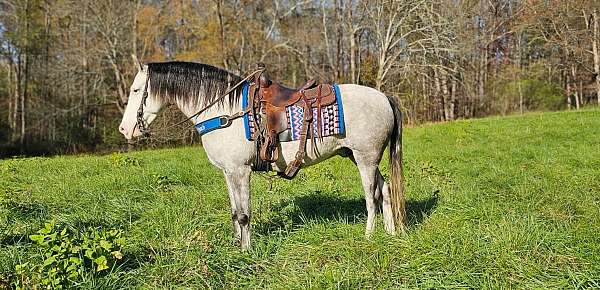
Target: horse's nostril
{"points": [[122, 129]]}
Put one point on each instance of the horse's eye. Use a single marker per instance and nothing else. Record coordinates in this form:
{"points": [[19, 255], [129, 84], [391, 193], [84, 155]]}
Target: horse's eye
{"points": [[136, 90]]}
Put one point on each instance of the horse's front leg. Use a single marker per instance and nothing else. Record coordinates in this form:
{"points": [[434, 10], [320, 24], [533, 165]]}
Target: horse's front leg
{"points": [[233, 188], [238, 181]]}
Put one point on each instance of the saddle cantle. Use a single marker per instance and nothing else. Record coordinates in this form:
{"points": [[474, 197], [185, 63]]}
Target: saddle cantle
{"points": [[269, 101]]}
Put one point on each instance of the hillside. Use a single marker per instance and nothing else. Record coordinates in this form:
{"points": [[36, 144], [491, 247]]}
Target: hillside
{"points": [[496, 202]]}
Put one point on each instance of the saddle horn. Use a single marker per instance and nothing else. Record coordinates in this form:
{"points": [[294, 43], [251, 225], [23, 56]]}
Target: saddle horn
{"points": [[263, 78]]}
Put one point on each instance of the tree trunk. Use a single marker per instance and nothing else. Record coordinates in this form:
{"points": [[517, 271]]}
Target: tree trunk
{"points": [[328, 51], [43, 130], [23, 99], [358, 61], [352, 42], [454, 87], [575, 89], [222, 33], [84, 63], [581, 93], [518, 64], [445, 94], [380, 71], [338, 50], [596, 53], [481, 78], [10, 94], [17, 94], [26, 77], [568, 89], [352, 58], [118, 79], [520, 88], [134, 36]]}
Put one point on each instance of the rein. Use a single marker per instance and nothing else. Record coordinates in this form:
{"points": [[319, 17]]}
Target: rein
{"points": [[225, 119]]}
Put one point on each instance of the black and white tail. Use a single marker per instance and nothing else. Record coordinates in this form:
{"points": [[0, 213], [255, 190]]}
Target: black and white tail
{"points": [[396, 167]]}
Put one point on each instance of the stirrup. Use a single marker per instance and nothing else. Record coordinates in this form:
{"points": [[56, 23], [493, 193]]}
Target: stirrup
{"points": [[292, 169], [289, 173]]}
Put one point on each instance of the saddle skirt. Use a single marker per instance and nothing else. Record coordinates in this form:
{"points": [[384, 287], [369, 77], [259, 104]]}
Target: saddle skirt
{"points": [[331, 119]]}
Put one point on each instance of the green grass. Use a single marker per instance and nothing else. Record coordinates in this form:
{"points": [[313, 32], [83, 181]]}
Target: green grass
{"points": [[493, 203]]}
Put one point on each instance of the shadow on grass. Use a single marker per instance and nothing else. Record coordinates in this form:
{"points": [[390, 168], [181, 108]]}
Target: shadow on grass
{"points": [[106, 222], [13, 240], [136, 258], [25, 210], [324, 207], [418, 210], [317, 206], [20, 212]]}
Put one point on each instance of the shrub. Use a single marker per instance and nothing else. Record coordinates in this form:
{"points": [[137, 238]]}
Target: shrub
{"points": [[65, 258], [120, 160], [539, 89], [162, 182]]}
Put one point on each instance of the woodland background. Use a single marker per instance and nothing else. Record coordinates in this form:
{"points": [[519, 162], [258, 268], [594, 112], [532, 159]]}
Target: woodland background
{"points": [[66, 66]]}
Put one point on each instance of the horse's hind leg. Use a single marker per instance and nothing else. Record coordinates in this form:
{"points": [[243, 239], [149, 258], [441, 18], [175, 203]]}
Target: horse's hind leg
{"points": [[383, 194], [368, 174]]}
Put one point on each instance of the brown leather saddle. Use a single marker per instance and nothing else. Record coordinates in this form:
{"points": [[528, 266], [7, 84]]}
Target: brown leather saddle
{"points": [[269, 102]]}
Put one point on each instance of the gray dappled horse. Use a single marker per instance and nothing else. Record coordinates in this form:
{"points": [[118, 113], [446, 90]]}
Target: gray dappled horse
{"points": [[371, 121]]}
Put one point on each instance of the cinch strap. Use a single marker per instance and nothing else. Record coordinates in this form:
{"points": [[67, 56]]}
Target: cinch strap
{"points": [[213, 124], [218, 122]]}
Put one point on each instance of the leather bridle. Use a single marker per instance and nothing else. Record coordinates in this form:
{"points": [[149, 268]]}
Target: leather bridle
{"points": [[140, 122]]}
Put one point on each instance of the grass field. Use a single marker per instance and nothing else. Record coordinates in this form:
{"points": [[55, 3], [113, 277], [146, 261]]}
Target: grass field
{"points": [[508, 202]]}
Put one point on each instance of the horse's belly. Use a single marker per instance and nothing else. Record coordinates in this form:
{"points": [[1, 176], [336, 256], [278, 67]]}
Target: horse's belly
{"points": [[315, 153]]}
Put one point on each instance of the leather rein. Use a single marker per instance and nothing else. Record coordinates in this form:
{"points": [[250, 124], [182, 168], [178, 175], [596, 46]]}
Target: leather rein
{"points": [[144, 127]]}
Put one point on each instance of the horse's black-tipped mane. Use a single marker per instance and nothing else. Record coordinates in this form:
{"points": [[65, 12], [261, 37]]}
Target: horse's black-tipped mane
{"points": [[186, 82]]}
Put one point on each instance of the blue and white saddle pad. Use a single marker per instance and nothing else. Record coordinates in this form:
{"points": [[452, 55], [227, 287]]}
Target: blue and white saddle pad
{"points": [[332, 119]]}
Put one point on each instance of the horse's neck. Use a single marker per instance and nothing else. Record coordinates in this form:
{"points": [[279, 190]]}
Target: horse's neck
{"points": [[218, 109], [187, 109]]}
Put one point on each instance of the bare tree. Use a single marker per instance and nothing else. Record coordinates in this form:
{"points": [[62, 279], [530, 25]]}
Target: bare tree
{"points": [[595, 39], [400, 29]]}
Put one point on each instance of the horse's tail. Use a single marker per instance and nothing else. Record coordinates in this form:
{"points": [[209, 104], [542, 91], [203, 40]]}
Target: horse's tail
{"points": [[396, 167]]}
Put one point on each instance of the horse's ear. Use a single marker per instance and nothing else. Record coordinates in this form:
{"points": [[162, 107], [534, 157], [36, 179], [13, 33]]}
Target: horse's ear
{"points": [[137, 62]]}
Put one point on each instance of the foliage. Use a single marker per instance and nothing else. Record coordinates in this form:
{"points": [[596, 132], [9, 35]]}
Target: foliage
{"points": [[538, 95], [64, 258], [542, 96], [120, 160]]}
